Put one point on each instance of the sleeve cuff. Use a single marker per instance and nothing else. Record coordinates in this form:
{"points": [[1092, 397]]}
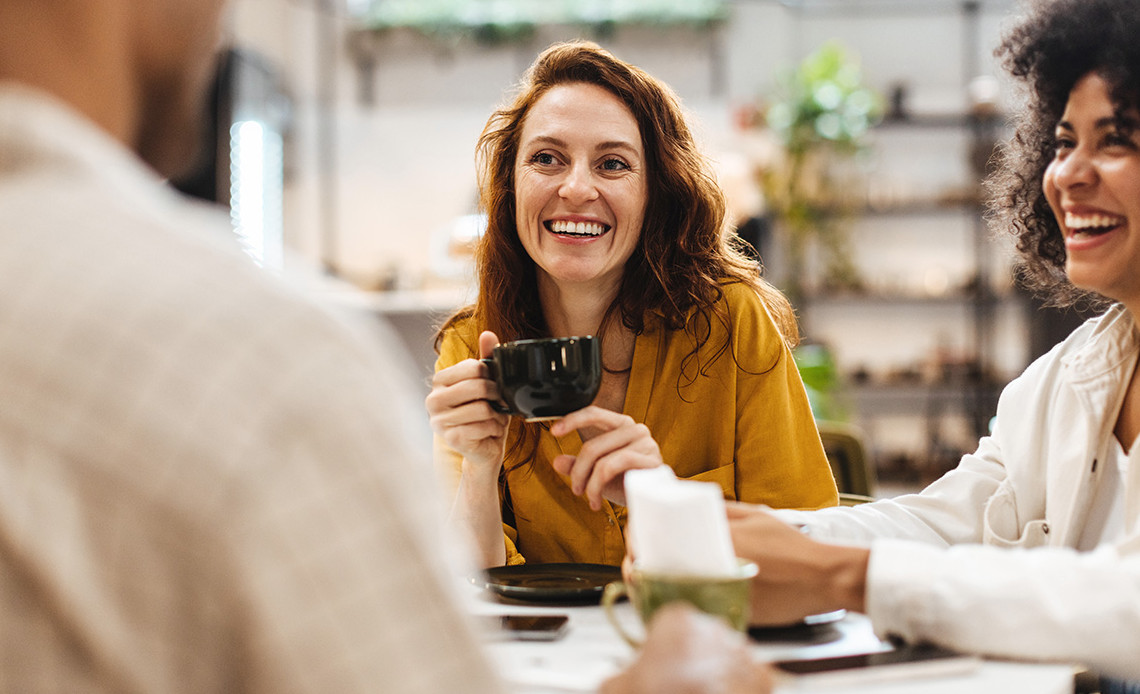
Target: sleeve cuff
{"points": [[901, 577]]}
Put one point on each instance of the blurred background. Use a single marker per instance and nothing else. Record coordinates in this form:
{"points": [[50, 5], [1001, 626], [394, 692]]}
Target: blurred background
{"points": [[851, 137]]}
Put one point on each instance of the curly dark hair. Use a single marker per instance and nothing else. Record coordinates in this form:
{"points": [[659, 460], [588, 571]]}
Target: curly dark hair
{"points": [[1054, 45]]}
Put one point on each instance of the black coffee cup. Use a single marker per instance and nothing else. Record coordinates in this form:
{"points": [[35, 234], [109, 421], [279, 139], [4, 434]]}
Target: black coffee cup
{"points": [[546, 378]]}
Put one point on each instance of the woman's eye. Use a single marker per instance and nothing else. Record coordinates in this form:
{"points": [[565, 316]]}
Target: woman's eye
{"points": [[543, 158], [1119, 139], [1062, 144], [613, 164]]}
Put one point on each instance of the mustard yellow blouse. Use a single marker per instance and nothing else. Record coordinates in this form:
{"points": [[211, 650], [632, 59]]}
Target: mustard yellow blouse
{"points": [[743, 423]]}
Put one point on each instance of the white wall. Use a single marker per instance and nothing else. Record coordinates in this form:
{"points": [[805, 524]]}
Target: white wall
{"points": [[402, 165]]}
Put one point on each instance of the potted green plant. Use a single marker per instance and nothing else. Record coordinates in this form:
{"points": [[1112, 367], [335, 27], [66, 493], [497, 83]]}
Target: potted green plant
{"points": [[820, 115]]}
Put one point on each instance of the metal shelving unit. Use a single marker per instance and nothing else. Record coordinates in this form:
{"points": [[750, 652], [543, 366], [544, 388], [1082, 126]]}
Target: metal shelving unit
{"points": [[973, 390]]}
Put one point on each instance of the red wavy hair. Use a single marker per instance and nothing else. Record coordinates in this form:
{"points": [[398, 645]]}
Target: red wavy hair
{"points": [[685, 251]]}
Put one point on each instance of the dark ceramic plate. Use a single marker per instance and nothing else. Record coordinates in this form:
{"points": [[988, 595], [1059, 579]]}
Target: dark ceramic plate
{"points": [[816, 620], [816, 628], [551, 582]]}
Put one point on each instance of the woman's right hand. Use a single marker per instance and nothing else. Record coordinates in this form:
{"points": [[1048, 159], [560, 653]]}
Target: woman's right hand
{"points": [[459, 407]]}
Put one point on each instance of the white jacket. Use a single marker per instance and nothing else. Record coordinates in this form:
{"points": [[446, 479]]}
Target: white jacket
{"points": [[983, 560]]}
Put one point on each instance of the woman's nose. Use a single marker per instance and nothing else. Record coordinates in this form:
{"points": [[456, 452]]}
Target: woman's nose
{"points": [[1075, 169], [579, 185]]}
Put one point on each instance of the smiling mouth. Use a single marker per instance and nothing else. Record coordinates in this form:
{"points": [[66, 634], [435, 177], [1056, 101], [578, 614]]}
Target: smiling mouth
{"points": [[577, 230], [1092, 224]]}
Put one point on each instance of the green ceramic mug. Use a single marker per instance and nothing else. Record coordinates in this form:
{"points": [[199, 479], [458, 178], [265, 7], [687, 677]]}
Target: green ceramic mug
{"points": [[724, 596]]}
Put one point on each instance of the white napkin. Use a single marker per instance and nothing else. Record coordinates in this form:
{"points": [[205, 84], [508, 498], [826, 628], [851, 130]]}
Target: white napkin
{"points": [[678, 526]]}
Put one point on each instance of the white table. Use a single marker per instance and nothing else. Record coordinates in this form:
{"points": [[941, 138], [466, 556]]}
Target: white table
{"points": [[591, 651]]}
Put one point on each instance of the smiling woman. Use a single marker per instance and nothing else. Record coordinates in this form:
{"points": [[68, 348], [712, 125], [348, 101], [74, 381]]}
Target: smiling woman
{"points": [[604, 219], [1030, 548]]}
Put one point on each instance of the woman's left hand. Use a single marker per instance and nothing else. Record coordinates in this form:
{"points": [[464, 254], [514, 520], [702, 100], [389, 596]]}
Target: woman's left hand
{"points": [[613, 444], [798, 576]]}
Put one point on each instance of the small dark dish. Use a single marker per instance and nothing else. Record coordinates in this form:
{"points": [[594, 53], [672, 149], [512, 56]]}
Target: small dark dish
{"points": [[816, 628], [551, 582]]}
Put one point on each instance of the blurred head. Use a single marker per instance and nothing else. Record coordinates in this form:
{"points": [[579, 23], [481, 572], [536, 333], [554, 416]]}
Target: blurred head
{"points": [[680, 250], [1055, 49], [175, 50], [136, 68]]}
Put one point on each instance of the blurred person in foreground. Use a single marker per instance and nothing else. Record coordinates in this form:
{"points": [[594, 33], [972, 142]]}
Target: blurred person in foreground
{"points": [[604, 219], [206, 484], [1030, 548]]}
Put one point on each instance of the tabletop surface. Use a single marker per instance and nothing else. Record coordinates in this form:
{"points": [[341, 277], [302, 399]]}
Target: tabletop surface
{"points": [[591, 651]]}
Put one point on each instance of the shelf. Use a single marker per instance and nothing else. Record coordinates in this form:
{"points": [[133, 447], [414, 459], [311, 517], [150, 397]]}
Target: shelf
{"points": [[900, 299], [932, 206], [943, 120], [959, 396], [924, 207], [908, 388], [875, 8], [949, 202], [918, 398], [434, 302]]}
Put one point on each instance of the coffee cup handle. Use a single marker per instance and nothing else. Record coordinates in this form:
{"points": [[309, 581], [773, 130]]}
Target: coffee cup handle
{"points": [[496, 405], [614, 592]]}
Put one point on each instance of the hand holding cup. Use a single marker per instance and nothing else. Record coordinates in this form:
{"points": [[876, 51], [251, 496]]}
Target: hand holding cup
{"points": [[460, 412]]}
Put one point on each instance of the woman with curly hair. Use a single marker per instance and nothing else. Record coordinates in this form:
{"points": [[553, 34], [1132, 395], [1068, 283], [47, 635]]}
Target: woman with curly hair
{"points": [[604, 219], [1030, 548]]}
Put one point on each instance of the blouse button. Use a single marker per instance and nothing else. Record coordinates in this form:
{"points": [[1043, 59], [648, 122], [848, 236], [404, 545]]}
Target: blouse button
{"points": [[1045, 528]]}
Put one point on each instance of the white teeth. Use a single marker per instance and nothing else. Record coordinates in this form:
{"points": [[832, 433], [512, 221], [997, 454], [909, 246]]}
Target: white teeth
{"points": [[1092, 221], [578, 228]]}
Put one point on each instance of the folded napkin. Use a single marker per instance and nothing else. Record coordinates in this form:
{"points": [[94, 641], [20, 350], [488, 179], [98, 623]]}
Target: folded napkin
{"points": [[678, 526]]}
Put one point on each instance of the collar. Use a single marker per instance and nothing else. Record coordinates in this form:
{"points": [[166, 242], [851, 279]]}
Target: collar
{"points": [[1112, 346], [42, 132]]}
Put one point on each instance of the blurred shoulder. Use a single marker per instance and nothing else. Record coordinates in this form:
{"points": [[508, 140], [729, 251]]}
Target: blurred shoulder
{"points": [[459, 341]]}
